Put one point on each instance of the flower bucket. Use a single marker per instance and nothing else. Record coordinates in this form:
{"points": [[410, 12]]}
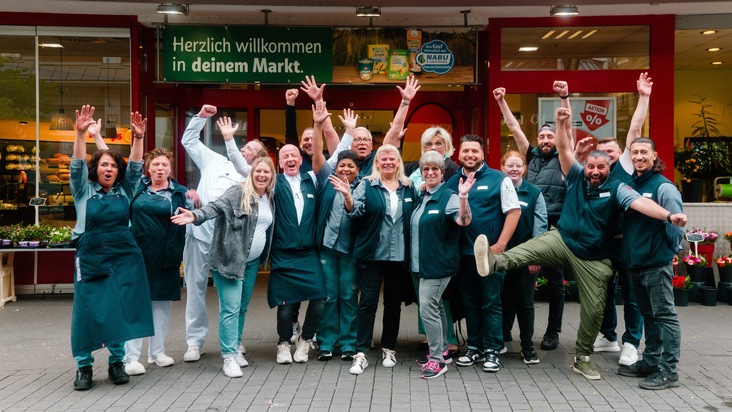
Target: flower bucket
{"points": [[707, 250], [681, 297], [723, 292], [696, 273], [725, 273], [695, 291], [708, 296]]}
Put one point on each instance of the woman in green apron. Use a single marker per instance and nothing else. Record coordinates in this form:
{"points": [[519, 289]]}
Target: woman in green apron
{"points": [[157, 198], [111, 295]]}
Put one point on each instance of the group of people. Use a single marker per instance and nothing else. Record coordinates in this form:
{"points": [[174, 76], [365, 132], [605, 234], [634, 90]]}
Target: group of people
{"points": [[461, 241]]}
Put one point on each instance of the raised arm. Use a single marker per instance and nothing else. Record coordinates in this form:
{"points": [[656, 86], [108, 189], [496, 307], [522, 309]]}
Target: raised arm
{"points": [[562, 89], [564, 146], [291, 136], [84, 120], [228, 130], [408, 92], [315, 92], [320, 114], [95, 130], [522, 143], [645, 85], [139, 126]]}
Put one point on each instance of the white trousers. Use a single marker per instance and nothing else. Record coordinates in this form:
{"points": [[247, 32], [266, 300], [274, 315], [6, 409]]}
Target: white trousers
{"points": [[195, 274], [156, 343]]}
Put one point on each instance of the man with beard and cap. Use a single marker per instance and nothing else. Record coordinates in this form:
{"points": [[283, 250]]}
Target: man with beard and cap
{"points": [[543, 170], [650, 269], [583, 238]]}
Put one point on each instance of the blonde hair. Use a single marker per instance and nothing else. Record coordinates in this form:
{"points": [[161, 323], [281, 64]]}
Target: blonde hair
{"points": [[376, 173], [444, 134], [248, 193], [157, 152]]}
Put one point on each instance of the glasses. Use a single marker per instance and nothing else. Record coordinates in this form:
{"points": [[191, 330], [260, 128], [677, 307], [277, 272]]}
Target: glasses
{"points": [[361, 140]]}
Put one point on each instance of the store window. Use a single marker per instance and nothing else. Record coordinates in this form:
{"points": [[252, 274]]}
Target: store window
{"points": [[575, 48], [68, 68], [600, 115]]}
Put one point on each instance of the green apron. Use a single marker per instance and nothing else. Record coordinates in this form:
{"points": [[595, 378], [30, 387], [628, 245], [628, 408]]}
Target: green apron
{"points": [[161, 242], [111, 295]]}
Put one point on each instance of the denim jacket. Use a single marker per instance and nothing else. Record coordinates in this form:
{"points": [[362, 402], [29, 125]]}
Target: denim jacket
{"points": [[233, 232]]}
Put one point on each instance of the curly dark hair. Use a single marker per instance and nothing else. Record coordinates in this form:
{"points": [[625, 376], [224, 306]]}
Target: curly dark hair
{"points": [[94, 164]]}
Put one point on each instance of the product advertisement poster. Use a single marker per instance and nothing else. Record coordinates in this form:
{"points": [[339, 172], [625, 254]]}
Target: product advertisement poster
{"points": [[591, 116]]}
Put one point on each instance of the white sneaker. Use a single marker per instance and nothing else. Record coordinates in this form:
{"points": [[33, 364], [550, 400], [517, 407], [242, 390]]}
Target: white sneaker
{"points": [[503, 350], [161, 360], [295, 331], [389, 357], [242, 349], [231, 369], [629, 355], [193, 354], [283, 354], [302, 353], [241, 360], [358, 364], [604, 345], [134, 368]]}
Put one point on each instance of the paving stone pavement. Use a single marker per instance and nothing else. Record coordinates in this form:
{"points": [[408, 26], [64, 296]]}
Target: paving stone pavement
{"points": [[37, 370]]}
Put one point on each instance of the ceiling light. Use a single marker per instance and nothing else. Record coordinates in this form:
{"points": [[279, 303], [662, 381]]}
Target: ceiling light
{"points": [[713, 49], [51, 45], [368, 11], [564, 10], [717, 63], [61, 120], [708, 32], [528, 49], [173, 8]]}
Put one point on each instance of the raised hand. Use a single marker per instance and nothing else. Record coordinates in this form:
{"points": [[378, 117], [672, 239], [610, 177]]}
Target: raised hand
{"points": [[466, 184], [410, 88], [563, 116], [320, 112], [311, 88], [349, 119], [139, 124], [561, 87], [585, 146], [499, 94], [183, 217], [95, 128], [341, 185], [207, 111], [85, 118], [644, 84], [224, 124], [193, 195], [291, 96]]}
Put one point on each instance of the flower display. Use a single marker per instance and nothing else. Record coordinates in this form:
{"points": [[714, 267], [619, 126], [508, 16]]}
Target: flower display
{"points": [[709, 236], [723, 261], [728, 236], [693, 260], [681, 282]]}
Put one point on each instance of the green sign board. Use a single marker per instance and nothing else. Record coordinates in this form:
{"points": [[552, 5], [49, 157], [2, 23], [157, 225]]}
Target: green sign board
{"points": [[247, 54]]}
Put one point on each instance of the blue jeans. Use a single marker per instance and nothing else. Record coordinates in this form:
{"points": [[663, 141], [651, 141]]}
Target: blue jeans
{"points": [[234, 296], [338, 323], [655, 296], [116, 354], [631, 314], [483, 309]]}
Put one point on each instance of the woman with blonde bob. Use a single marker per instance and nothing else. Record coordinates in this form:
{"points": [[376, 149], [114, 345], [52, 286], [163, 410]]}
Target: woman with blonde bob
{"points": [[242, 236], [435, 139], [380, 209]]}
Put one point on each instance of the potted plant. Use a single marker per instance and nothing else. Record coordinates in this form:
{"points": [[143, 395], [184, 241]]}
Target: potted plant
{"points": [[59, 236], [5, 240], [728, 236], [695, 267], [706, 246], [681, 285], [724, 265], [33, 235]]}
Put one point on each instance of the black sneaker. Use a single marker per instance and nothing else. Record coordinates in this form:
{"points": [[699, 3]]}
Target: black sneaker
{"points": [[117, 373], [529, 355], [83, 379], [636, 370], [325, 355], [470, 357], [660, 380], [550, 341], [347, 356]]}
